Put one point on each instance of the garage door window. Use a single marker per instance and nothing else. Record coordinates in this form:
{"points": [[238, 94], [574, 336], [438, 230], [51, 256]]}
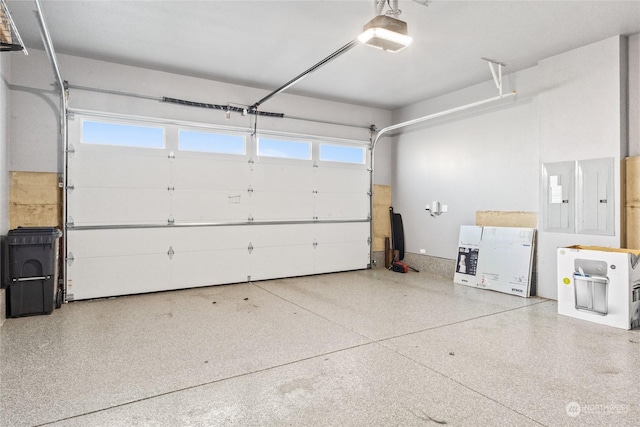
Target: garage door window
{"points": [[286, 149], [122, 135], [342, 153], [211, 142]]}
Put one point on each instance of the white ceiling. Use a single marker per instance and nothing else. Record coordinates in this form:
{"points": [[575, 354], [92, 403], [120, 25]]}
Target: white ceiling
{"points": [[266, 43]]}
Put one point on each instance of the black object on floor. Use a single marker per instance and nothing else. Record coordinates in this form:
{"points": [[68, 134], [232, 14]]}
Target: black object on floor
{"points": [[32, 280], [397, 233], [397, 241]]}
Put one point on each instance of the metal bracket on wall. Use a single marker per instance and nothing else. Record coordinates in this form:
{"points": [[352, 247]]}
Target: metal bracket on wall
{"points": [[497, 79], [250, 248], [70, 259], [171, 252]]}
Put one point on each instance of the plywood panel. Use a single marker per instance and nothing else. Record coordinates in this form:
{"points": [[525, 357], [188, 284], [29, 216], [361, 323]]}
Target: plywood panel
{"points": [[381, 221], [5, 29], [632, 203], [506, 219], [34, 200]]}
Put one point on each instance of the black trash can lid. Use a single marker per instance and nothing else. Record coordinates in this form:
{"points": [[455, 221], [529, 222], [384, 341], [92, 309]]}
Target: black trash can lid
{"points": [[29, 231], [33, 235]]}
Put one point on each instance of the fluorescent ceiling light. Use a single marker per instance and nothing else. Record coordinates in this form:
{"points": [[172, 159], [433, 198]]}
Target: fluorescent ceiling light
{"points": [[386, 33]]}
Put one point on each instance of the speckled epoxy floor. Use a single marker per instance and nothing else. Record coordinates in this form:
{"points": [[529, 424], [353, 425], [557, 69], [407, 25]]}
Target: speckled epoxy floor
{"points": [[360, 348]]}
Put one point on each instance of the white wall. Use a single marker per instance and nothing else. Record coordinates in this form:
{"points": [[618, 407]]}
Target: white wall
{"points": [[569, 107], [634, 95], [5, 60], [582, 116], [35, 107], [483, 159]]}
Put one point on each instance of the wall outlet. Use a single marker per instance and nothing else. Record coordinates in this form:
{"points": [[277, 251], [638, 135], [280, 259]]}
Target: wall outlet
{"points": [[423, 251], [445, 208]]}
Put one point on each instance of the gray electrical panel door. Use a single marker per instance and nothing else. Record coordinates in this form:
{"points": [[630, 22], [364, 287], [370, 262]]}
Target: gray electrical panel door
{"points": [[596, 213], [559, 196]]}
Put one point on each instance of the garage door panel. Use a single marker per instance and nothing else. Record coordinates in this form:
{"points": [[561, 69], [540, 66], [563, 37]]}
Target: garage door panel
{"points": [[113, 169], [103, 206], [342, 256], [282, 251], [269, 175], [192, 268], [117, 262], [338, 179], [211, 174], [342, 205], [200, 239], [342, 232], [342, 247], [205, 256], [209, 206], [263, 236], [282, 205], [98, 277], [120, 242], [285, 261]]}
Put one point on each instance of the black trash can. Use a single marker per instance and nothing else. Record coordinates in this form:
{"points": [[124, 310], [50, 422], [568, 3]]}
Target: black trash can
{"points": [[32, 273]]}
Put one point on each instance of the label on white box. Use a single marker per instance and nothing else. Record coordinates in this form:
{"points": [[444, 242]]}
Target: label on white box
{"points": [[467, 261]]}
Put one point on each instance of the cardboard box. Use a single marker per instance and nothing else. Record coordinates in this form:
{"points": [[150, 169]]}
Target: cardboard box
{"points": [[496, 258], [601, 285]]}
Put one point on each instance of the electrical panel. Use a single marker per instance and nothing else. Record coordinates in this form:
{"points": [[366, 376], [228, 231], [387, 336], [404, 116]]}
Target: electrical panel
{"points": [[595, 194], [559, 197], [579, 197]]}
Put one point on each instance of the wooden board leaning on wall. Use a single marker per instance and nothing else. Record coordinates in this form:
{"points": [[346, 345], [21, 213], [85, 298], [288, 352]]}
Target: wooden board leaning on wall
{"points": [[507, 219], [35, 200], [632, 202], [380, 215]]}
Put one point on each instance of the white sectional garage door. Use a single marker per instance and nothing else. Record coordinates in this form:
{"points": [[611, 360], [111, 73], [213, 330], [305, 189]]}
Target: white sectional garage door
{"points": [[149, 210]]}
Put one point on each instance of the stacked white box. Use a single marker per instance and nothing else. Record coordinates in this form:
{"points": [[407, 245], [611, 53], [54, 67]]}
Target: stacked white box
{"points": [[600, 285]]}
